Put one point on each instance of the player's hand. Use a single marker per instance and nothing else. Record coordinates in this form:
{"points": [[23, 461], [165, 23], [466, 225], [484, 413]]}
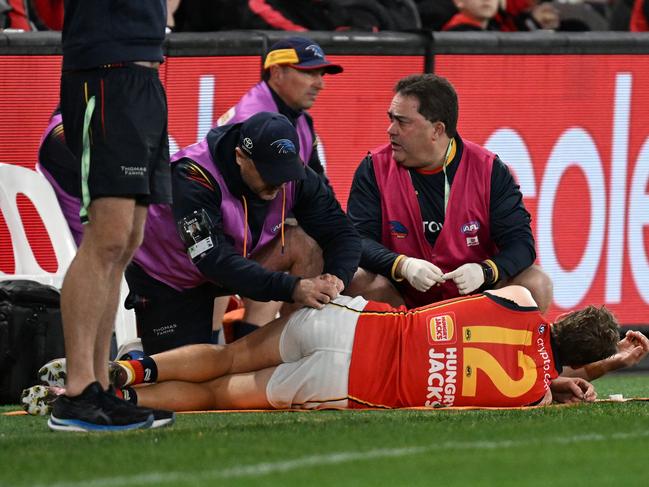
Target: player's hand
{"points": [[631, 349], [335, 280], [314, 292], [547, 399], [467, 277], [421, 274], [572, 389]]}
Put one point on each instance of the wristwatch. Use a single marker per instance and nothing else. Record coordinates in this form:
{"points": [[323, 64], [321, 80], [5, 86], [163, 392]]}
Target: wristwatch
{"points": [[488, 272]]}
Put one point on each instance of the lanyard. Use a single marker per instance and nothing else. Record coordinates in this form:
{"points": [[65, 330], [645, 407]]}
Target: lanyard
{"points": [[447, 186]]}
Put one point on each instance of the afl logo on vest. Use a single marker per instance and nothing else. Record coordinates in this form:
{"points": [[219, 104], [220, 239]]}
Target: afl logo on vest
{"points": [[470, 230], [441, 329]]}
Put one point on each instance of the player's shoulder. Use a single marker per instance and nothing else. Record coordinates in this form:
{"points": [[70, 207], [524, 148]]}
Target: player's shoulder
{"points": [[518, 294]]}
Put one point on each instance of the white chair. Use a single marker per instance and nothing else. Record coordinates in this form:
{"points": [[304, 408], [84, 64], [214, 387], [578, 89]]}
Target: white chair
{"points": [[16, 179]]}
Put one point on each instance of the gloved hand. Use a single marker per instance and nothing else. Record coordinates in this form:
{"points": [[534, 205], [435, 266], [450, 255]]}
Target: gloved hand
{"points": [[421, 274], [467, 277]]}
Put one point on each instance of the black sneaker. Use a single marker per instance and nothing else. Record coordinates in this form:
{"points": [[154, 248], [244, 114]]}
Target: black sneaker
{"points": [[90, 411], [161, 417]]}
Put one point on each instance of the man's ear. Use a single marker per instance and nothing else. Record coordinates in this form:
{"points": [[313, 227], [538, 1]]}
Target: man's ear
{"points": [[439, 129], [238, 153], [276, 72]]}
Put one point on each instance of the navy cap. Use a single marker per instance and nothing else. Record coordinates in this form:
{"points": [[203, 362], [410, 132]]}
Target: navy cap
{"points": [[270, 140], [300, 53]]}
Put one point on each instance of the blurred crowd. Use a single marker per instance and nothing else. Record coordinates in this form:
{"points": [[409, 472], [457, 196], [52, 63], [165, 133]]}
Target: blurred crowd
{"points": [[365, 15]]}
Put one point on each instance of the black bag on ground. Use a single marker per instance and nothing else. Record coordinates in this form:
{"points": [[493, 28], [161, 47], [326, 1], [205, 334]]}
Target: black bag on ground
{"points": [[30, 334]]}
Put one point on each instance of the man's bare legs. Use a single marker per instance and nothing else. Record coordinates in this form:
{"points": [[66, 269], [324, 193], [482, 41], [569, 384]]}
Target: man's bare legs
{"points": [[205, 376], [91, 288], [102, 344], [538, 283], [203, 362], [374, 287], [238, 391]]}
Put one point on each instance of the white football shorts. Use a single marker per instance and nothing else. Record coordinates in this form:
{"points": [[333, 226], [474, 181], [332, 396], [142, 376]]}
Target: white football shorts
{"points": [[316, 346]]}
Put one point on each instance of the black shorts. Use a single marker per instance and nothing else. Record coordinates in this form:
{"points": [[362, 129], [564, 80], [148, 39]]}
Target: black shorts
{"points": [[167, 318], [126, 147]]}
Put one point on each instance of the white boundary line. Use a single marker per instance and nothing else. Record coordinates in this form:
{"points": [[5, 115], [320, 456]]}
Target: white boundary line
{"points": [[266, 468]]}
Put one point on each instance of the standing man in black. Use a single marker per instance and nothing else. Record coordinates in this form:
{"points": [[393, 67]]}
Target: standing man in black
{"points": [[115, 115]]}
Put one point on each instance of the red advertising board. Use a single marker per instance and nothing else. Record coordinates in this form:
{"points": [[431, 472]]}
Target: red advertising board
{"points": [[574, 129], [571, 128]]}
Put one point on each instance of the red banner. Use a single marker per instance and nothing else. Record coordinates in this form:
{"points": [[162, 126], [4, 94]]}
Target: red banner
{"points": [[574, 129], [571, 128]]}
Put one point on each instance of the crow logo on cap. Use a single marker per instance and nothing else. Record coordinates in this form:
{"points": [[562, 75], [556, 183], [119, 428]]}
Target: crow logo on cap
{"points": [[284, 146]]}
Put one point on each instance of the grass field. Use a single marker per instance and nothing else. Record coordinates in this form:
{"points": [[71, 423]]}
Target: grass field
{"points": [[584, 445]]}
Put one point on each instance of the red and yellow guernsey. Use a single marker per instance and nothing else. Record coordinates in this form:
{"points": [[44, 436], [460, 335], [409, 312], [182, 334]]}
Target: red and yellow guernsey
{"points": [[471, 351]]}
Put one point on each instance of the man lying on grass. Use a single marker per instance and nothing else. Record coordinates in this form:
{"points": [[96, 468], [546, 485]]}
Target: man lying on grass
{"points": [[491, 349]]}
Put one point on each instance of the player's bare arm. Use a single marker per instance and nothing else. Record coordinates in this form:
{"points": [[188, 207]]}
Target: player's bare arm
{"points": [[631, 350]]}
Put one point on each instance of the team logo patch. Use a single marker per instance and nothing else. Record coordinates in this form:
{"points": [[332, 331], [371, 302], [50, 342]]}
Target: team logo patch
{"points": [[397, 229], [542, 329], [283, 146], [315, 50], [441, 328]]}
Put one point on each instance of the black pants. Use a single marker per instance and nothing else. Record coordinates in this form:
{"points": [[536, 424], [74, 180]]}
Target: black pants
{"points": [[167, 318]]}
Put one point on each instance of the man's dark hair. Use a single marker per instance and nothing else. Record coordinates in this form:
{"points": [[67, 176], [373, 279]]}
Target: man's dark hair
{"points": [[437, 98], [586, 336]]}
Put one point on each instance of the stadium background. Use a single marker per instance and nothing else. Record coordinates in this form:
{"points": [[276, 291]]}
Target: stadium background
{"points": [[567, 112]]}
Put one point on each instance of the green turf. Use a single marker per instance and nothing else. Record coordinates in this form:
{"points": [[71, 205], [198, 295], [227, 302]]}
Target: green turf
{"points": [[585, 445]]}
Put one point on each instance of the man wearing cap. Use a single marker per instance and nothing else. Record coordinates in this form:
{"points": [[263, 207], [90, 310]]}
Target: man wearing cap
{"points": [[231, 194], [294, 71]]}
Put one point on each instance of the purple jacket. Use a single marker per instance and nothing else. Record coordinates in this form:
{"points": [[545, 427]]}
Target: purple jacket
{"points": [[70, 205], [169, 263], [260, 99]]}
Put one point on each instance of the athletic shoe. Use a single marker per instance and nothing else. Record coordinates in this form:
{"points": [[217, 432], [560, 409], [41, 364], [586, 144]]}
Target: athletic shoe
{"points": [[161, 417], [53, 373], [38, 400], [131, 350], [90, 411]]}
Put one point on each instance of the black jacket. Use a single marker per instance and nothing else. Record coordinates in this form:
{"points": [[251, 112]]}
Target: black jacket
{"points": [[315, 208]]}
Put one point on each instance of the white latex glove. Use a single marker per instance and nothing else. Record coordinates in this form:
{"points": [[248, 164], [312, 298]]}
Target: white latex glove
{"points": [[421, 274], [467, 277]]}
